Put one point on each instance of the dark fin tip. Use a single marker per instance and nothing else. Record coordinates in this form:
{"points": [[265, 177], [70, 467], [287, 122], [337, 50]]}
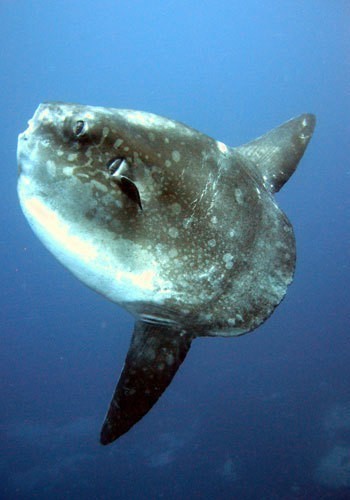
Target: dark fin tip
{"points": [[155, 354]]}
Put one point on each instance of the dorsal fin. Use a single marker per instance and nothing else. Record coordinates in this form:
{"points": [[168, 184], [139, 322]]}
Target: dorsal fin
{"points": [[155, 354], [277, 153]]}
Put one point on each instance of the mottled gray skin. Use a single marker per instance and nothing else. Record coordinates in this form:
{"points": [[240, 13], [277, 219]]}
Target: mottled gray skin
{"points": [[209, 252]]}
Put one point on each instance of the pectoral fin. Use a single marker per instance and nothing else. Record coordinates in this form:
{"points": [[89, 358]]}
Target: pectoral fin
{"points": [[156, 352]]}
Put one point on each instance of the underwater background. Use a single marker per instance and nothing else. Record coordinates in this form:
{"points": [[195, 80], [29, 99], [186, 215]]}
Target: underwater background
{"points": [[264, 416]]}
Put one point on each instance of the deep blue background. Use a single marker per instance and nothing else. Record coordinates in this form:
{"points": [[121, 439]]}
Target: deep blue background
{"points": [[261, 417]]}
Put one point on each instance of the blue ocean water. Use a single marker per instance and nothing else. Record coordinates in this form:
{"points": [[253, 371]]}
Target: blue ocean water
{"points": [[265, 416]]}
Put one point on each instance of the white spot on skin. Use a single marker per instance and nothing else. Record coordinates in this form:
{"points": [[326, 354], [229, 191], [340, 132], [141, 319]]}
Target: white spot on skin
{"points": [[214, 219], [167, 163], [187, 222], [176, 156], [228, 259], [222, 147], [118, 143], [175, 208], [140, 118], [239, 196], [72, 156], [68, 171], [173, 232], [173, 253], [105, 131], [44, 114], [212, 243]]}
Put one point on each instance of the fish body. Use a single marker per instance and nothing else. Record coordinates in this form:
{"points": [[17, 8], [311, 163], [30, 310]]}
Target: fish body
{"points": [[176, 227]]}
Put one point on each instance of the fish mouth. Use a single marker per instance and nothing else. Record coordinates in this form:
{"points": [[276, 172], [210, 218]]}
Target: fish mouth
{"points": [[21, 151], [25, 140]]}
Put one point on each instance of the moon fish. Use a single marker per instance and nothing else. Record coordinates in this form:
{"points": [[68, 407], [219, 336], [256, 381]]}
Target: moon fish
{"points": [[178, 228]]}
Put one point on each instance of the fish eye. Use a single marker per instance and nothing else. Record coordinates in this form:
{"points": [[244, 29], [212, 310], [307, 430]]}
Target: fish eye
{"points": [[79, 128]]}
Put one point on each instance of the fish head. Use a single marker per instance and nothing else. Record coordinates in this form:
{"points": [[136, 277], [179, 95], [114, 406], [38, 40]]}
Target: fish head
{"points": [[122, 199]]}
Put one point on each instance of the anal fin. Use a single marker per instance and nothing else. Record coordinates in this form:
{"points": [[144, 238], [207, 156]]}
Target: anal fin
{"points": [[155, 354]]}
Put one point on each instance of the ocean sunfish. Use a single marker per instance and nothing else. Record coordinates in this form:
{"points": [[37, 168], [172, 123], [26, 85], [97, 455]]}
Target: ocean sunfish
{"points": [[178, 228]]}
